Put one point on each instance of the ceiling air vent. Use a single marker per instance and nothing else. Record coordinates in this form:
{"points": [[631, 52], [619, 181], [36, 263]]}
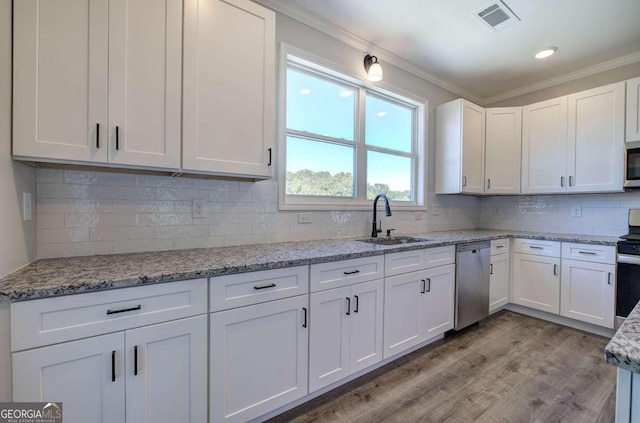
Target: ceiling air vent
{"points": [[498, 16]]}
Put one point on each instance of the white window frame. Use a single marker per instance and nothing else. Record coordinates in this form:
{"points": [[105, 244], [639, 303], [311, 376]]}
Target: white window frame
{"points": [[324, 69]]}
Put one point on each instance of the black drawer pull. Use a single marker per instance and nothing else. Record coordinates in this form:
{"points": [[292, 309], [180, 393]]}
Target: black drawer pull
{"points": [[272, 285], [534, 247], [270, 158], [97, 135], [117, 138], [348, 313], [113, 366], [124, 310], [424, 286], [353, 272], [588, 253], [428, 284], [357, 306], [499, 246], [491, 269]]}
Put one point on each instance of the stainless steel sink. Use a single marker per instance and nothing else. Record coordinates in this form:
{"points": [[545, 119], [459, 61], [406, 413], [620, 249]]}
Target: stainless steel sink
{"points": [[394, 240]]}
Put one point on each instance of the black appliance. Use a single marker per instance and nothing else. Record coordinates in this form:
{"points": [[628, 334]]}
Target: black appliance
{"points": [[628, 269]]}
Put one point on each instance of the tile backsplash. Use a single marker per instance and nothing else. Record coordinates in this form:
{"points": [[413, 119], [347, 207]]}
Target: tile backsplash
{"points": [[87, 213], [599, 214]]}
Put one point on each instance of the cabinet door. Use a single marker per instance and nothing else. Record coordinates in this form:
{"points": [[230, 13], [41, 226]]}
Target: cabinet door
{"points": [[258, 359], [588, 292], [329, 338], [633, 110], [536, 282], [403, 326], [438, 299], [472, 148], [78, 374], [229, 84], [145, 77], [366, 324], [544, 147], [498, 281], [166, 378], [596, 139], [503, 152], [60, 63]]}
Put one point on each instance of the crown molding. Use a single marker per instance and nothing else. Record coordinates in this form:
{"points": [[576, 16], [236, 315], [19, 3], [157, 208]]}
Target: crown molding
{"points": [[389, 57], [367, 47], [571, 76]]}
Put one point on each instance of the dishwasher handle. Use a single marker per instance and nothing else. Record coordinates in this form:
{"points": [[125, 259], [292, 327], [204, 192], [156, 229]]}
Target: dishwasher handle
{"points": [[473, 247]]}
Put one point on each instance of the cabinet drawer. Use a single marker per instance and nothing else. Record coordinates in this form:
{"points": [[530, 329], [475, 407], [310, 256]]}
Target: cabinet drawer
{"points": [[537, 247], [439, 256], [52, 320], [415, 260], [345, 272], [500, 246], [243, 289], [588, 252]]}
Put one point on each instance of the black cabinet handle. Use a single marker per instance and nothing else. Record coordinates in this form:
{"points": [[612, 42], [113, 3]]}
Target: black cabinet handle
{"points": [[113, 366], [488, 183], [304, 310], [609, 278], [491, 269], [562, 181], [273, 285], [135, 360], [499, 246], [535, 247], [270, 156], [555, 269], [357, 305], [117, 137], [589, 253], [97, 135], [124, 310], [428, 284], [570, 180], [353, 272], [348, 313], [424, 286]]}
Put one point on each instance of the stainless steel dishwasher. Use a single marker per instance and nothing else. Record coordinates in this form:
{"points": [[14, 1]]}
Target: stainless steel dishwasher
{"points": [[472, 283]]}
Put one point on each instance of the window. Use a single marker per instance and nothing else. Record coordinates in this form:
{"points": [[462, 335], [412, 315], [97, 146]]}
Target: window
{"points": [[344, 142]]}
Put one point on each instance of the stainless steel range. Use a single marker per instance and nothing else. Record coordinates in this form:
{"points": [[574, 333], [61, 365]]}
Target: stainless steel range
{"points": [[628, 270]]}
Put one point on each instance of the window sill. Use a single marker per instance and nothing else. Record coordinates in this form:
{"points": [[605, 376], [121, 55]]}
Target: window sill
{"points": [[349, 207]]}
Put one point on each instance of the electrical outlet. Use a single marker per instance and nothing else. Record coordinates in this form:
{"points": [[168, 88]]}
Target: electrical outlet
{"points": [[496, 211], [26, 206], [576, 211], [198, 211], [304, 218]]}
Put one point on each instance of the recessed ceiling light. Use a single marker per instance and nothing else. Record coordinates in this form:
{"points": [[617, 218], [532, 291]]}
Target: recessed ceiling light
{"points": [[346, 93], [381, 114], [305, 91], [546, 52]]}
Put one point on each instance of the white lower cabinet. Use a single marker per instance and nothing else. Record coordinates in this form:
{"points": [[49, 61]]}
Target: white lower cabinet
{"points": [[417, 307], [536, 282], [155, 373], [346, 332], [258, 358], [588, 292], [498, 281]]}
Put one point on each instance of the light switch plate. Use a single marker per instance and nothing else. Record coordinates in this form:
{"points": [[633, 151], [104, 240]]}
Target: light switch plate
{"points": [[576, 211]]}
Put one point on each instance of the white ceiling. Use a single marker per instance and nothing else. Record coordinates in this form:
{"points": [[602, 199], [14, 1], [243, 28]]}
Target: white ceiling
{"points": [[448, 41]]}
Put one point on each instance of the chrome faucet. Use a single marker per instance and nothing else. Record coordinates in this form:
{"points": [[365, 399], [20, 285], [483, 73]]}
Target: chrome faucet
{"points": [[376, 230]]}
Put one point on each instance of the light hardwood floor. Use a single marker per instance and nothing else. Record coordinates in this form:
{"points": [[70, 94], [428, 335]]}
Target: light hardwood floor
{"points": [[510, 368]]}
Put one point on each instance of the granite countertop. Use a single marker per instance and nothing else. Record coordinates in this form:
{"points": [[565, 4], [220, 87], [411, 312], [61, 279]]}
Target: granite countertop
{"points": [[624, 348], [53, 277]]}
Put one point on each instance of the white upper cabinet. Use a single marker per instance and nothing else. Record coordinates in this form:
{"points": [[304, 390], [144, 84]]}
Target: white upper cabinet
{"points": [[60, 62], [596, 139], [544, 147], [72, 58], [459, 148], [633, 110], [229, 86], [145, 77], [503, 150]]}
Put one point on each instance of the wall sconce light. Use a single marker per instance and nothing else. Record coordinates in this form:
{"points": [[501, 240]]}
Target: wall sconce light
{"points": [[373, 68]]}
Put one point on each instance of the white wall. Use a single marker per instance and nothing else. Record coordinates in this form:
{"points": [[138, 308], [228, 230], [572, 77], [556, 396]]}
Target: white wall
{"points": [[17, 239], [84, 213]]}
